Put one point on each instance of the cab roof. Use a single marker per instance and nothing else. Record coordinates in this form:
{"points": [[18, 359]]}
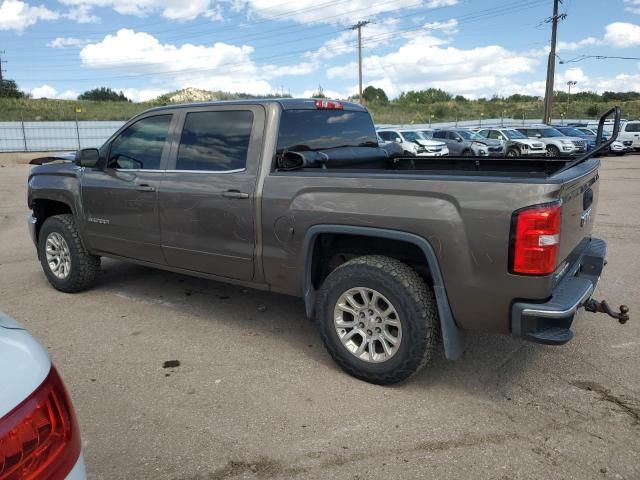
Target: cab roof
{"points": [[284, 103]]}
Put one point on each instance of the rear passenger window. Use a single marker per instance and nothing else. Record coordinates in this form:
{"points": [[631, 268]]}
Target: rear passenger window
{"points": [[215, 141], [439, 134], [632, 127]]}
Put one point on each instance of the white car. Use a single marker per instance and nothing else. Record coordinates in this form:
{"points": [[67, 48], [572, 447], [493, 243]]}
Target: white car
{"points": [[516, 143], [629, 131], [414, 143], [39, 435], [616, 148]]}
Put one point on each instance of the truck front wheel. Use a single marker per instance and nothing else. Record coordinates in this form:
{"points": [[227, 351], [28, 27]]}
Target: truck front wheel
{"points": [[378, 319], [68, 265]]}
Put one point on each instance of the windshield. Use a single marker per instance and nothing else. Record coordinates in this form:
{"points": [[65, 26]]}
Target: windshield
{"points": [[412, 136], [427, 134], [572, 132], [550, 132], [513, 134], [467, 135], [325, 129]]}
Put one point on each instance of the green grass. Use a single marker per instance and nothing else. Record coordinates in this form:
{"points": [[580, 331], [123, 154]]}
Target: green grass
{"points": [[43, 109]]}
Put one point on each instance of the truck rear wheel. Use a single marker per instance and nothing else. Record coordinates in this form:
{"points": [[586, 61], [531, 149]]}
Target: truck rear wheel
{"points": [[68, 265], [378, 319]]}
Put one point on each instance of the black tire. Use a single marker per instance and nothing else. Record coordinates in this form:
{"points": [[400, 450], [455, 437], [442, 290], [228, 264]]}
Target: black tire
{"points": [[416, 310], [84, 266], [467, 153], [513, 152], [408, 154], [553, 151]]}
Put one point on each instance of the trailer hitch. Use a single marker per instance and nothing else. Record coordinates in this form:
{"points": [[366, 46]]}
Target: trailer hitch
{"points": [[603, 307]]}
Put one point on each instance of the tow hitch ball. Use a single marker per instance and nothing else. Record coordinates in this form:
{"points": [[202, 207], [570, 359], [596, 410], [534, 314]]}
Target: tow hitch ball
{"points": [[603, 307]]}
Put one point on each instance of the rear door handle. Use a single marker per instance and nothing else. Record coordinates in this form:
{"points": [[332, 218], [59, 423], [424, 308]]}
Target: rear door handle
{"points": [[235, 194], [144, 187]]}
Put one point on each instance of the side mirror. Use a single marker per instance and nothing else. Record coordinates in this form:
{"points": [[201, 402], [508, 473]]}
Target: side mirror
{"points": [[459, 139], [398, 140], [538, 135], [87, 157]]}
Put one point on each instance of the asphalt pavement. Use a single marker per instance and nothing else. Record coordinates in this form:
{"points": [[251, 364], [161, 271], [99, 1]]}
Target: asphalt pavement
{"points": [[255, 395]]}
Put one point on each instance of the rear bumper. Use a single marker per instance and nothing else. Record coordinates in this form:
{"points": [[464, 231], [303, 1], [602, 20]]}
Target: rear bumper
{"points": [[530, 319]]}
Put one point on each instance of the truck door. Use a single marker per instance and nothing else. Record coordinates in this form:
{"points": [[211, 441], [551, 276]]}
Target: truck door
{"points": [[120, 197], [207, 198]]}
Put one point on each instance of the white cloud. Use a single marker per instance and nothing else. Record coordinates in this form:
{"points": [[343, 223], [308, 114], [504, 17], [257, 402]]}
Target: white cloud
{"points": [[572, 46], [424, 62], [448, 27], [634, 6], [303, 68], [18, 15], [171, 9], [64, 42], [47, 91], [621, 34], [310, 11], [217, 67], [144, 94], [81, 14]]}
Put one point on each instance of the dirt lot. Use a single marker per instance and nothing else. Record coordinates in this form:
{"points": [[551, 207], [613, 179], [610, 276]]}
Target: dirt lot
{"points": [[256, 396]]}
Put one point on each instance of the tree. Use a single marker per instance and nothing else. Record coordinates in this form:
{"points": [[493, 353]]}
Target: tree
{"points": [[460, 99], [593, 111], [103, 94], [372, 94], [319, 93], [9, 89]]}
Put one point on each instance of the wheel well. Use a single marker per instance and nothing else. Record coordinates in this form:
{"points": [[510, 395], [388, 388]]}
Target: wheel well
{"points": [[330, 250], [43, 209]]}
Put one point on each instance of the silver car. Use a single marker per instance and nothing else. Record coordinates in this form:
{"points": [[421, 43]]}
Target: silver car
{"points": [[465, 143]]}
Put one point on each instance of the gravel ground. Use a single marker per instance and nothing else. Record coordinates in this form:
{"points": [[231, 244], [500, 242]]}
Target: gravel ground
{"points": [[256, 396]]}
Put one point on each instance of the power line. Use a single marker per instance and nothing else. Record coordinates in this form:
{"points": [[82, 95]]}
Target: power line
{"points": [[464, 19], [476, 16], [597, 57]]}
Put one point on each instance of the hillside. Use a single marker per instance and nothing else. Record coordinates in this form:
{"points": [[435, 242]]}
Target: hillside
{"points": [[396, 111]]}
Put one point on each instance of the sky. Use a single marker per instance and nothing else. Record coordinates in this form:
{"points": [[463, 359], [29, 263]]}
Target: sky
{"points": [[475, 48]]}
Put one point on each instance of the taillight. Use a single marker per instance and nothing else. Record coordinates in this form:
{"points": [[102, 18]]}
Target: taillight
{"points": [[535, 239], [329, 105], [39, 439]]}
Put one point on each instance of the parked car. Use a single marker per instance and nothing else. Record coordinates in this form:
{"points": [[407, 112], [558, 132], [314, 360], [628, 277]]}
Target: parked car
{"points": [[629, 131], [618, 147], [515, 143], [414, 143], [556, 143], [39, 435], [295, 196], [575, 133], [467, 144]]}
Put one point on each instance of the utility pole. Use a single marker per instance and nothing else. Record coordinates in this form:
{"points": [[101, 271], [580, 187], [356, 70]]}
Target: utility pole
{"points": [[358, 26], [1, 62], [551, 66], [570, 83]]}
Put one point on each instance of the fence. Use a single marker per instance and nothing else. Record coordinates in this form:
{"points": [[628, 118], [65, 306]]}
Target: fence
{"points": [[54, 136], [73, 135]]}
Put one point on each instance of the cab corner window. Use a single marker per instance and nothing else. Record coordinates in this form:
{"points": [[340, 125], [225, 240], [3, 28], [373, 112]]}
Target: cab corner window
{"points": [[139, 146], [215, 141]]}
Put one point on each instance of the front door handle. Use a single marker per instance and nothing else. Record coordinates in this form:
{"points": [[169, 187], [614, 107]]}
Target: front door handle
{"points": [[235, 194], [144, 187]]}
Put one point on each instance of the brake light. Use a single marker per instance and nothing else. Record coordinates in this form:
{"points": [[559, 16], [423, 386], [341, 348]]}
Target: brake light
{"points": [[39, 439], [329, 105], [535, 239]]}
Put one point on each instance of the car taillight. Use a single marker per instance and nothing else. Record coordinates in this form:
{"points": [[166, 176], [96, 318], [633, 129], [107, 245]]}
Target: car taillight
{"points": [[328, 105], [39, 439], [535, 239]]}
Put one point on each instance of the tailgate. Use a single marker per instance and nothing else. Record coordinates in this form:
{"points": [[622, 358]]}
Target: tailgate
{"points": [[579, 200]]}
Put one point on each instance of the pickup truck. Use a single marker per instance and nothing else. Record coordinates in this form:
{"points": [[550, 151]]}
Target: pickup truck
{"points": [[295, 196]]}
